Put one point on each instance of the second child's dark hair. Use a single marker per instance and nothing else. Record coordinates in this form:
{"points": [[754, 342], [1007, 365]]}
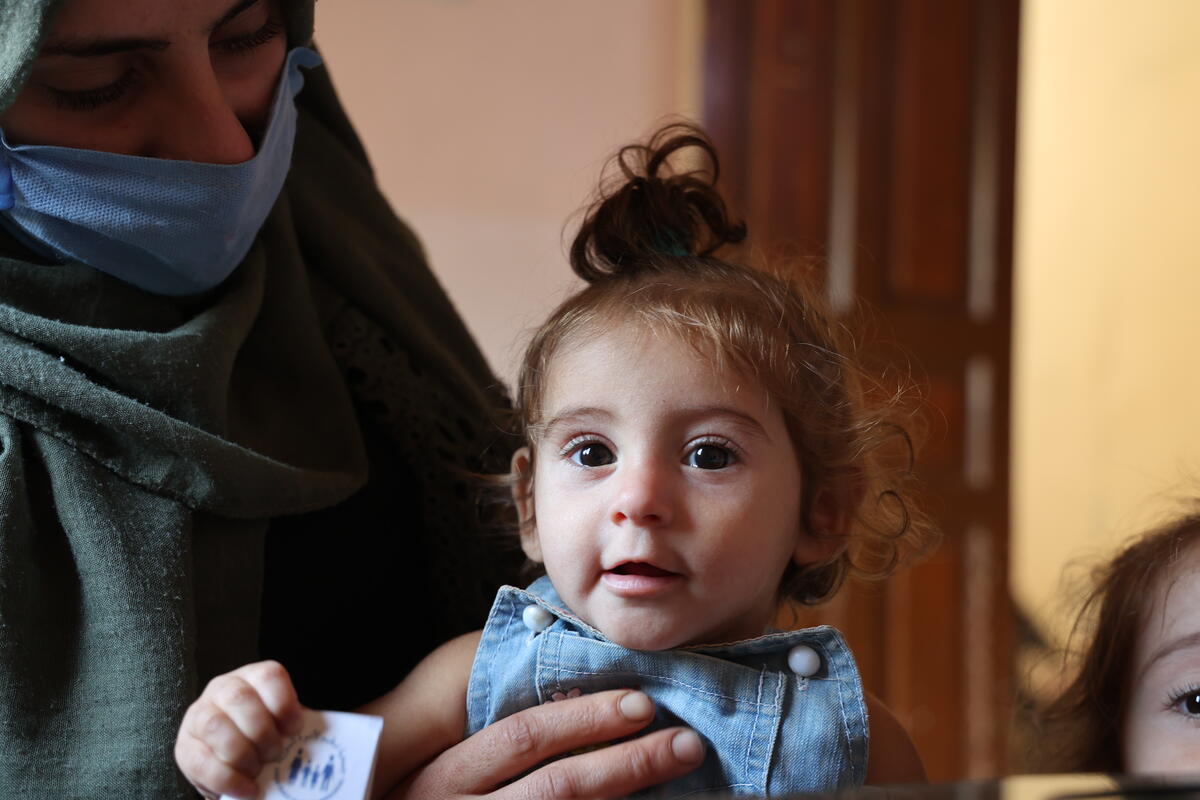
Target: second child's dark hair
{"points": [[647, 249], [1082, 728]]}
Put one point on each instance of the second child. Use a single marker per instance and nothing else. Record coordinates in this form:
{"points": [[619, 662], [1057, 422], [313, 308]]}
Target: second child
{"points": [[1133, 704]]}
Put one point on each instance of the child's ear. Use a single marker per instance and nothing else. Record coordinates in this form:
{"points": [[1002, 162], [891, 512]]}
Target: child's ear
{"points": [[521, 469], [826, 537]]}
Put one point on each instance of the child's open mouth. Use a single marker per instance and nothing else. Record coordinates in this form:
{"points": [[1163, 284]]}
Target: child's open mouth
{"points": [[642, 568], [639, 579]]}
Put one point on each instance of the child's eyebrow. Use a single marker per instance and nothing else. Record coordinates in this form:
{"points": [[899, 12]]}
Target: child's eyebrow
{"points": [[571, 417], [1191, 640], [740, 419], [574, 416]]}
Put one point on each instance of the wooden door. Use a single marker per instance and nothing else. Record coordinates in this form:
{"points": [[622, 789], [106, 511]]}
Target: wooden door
{"points": [[878, 135]]}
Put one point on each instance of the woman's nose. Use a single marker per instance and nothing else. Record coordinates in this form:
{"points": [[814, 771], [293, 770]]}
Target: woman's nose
{"points": [[644, 496], [201, 125]]}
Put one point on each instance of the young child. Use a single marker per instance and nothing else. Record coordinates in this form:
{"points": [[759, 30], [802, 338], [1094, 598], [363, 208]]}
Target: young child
{"points": [[1134, 704], [697, 451]]}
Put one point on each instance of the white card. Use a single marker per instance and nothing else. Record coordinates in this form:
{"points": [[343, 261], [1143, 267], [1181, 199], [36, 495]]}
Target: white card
{"points": [[332, 758]]}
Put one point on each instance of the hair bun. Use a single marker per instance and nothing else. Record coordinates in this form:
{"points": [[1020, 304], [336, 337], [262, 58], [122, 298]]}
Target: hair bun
{"points": [[649, 211]]}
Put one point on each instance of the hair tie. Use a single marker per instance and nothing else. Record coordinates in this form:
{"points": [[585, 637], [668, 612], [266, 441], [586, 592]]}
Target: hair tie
{"points": [[669, 242]]}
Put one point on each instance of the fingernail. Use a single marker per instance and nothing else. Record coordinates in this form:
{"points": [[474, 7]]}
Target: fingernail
{"points": [[687, 747], [636, 707]]}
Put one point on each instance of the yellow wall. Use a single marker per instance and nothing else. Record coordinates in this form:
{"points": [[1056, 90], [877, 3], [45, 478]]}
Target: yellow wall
{"points": [[1106, 433]]}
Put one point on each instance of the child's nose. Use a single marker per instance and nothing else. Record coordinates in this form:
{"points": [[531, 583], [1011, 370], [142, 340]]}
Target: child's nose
{"points": [[643, 496]]}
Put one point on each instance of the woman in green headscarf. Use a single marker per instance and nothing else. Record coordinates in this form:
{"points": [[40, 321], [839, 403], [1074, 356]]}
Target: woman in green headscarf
{"points": [[237, 411]]}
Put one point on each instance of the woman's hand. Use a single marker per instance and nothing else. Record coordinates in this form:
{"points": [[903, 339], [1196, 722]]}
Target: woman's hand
{"points": [[482, 764], [239, 723]]}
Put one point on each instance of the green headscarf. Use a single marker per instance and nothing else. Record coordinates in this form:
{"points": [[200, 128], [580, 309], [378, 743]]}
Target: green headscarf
{"points": [[23, 23], [327, 393]]}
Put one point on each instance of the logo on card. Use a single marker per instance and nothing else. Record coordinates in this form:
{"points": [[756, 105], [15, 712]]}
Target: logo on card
{"points": [[313, 768]]}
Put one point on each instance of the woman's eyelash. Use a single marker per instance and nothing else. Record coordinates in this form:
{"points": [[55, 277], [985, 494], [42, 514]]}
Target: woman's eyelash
{"points": [[88, 99], [241, 44]]}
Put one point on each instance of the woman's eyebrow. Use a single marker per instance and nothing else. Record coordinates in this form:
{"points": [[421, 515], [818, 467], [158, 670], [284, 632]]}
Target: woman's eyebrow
{"points": [[92, 48], [235, 10]]}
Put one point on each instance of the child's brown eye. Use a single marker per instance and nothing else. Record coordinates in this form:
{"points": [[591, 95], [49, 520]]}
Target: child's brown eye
{"points": [[709, 456], [593, 455], [1186, 702]]}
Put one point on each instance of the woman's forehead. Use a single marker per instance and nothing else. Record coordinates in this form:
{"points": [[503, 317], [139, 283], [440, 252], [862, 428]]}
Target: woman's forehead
{"points": [[89, 19]]}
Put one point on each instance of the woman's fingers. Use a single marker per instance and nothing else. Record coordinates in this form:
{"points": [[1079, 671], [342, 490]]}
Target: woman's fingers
{"points": [[505, 749], [614, 771], [514, 744]]}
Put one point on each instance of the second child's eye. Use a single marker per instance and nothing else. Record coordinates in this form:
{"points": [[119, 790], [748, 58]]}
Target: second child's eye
{"points": [[593, 454], [709, 456], [1188, 703]]}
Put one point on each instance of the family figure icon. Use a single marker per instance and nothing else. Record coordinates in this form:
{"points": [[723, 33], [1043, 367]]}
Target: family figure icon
{"points": [[303, 773], [332, 758]]}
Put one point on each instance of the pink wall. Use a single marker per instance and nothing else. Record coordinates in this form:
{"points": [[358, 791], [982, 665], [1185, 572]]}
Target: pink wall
{"points": [[488, 121]]}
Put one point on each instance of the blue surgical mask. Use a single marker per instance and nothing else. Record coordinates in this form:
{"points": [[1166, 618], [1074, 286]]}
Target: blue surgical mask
{"points": [[169, 227]]}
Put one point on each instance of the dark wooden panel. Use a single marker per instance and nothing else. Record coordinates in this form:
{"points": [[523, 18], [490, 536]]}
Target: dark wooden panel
{"points": [[925, 686], [874, 23], [921, 95], [790, 121], [930, 201], [728, 35], [942, 445]]}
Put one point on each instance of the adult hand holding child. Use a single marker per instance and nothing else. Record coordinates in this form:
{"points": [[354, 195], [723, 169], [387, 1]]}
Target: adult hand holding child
{"points": [[242, 720], [480, 764]]}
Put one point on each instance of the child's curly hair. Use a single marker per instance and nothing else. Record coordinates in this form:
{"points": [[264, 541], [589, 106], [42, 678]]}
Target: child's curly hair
{"points": [[646, 247]]}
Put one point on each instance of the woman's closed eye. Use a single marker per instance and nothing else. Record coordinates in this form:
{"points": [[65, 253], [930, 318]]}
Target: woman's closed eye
{"points": [[236, 45], [89, 99]]}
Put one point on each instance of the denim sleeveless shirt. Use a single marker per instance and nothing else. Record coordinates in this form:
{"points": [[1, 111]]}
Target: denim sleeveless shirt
{"points": [[768, 731]]}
